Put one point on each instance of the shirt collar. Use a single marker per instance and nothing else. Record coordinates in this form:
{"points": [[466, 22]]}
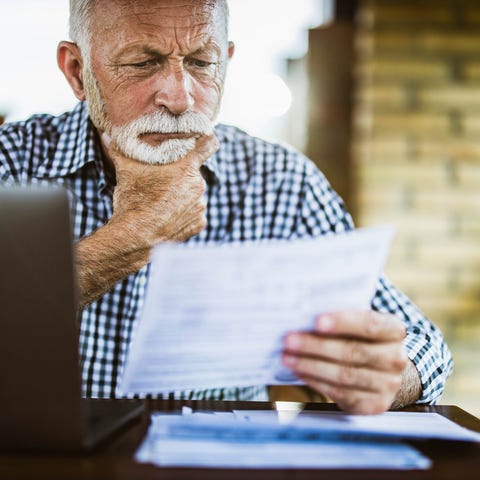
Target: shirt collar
{"points": [[217, 164]]}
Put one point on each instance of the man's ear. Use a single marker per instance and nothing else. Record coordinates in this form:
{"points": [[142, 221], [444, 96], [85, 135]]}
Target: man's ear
{"points": [[70, 62], [231, 49]]}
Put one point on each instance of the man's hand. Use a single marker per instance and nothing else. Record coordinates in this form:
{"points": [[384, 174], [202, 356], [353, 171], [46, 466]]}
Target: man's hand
{"points": [[151, 204], [357, 359], [162, 202]]}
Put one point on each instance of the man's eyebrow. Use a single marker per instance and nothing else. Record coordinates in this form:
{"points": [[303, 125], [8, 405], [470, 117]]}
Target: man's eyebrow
{"points": [[206, 47], [137, 49], [153, 52]]}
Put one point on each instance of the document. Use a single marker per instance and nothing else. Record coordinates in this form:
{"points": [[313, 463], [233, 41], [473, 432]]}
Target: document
{"points": [[339, 425], [309, 439], [209, 440], [216, 315]]}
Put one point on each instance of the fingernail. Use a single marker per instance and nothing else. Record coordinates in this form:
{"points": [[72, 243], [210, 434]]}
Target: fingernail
{"points": [[288, 360], [293, 341], [107, 139], [325, 323]]}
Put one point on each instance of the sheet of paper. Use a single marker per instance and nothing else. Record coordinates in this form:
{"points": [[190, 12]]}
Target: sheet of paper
{"points": [[166, 446], [389, 425], [215, 315]]}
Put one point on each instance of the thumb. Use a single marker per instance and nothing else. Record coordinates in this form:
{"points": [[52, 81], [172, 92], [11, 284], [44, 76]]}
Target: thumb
{"points": [[106, 139], [108, 146], [205, 147]]}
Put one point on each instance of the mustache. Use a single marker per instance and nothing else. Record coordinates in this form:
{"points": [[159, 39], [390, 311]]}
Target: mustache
{"points": [[162, 121]]}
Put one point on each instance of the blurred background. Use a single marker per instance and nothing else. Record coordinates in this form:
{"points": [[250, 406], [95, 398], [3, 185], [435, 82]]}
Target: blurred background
{"points": [[384, 95]]}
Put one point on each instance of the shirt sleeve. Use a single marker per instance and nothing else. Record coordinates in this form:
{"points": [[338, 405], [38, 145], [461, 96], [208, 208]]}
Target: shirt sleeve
{"points": [[323, 212], [424, 342]]}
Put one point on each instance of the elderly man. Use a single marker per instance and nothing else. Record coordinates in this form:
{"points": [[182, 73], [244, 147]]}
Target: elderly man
{"points": [[144, 163]]}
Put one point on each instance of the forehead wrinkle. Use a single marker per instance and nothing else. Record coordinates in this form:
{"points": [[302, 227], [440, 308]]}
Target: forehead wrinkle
{"points": [[188, 14], [199, 44], [112, 13], [173, 29], [158, 33], [174, 21]]}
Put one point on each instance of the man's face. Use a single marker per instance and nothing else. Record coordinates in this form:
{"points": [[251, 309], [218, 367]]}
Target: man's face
{"points": [[156, 74]]}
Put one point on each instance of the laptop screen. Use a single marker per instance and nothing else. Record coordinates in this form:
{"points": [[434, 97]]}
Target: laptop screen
{"points": [[39, 366]]}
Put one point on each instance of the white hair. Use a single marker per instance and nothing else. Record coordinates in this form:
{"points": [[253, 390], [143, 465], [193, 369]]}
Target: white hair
{"points": [[80, 25], [81, 22]]}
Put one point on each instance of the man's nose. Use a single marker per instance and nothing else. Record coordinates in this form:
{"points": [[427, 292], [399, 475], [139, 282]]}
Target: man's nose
{"points": [[174, 91]]}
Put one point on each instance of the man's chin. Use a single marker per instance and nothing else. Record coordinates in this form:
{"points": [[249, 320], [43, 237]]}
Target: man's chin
{"points": [[166, 152]]}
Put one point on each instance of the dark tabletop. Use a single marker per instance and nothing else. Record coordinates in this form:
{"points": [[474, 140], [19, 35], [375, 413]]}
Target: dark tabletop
{"points": [[114, 460]]}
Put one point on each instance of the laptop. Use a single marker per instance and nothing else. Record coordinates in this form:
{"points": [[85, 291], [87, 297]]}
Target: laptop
{"points": [[40, 381]]}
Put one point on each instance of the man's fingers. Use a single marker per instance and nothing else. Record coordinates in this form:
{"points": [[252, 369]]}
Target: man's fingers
{"points": [[368, 325], [356, 358], [352, 401], [344, 376], [386, 356]]}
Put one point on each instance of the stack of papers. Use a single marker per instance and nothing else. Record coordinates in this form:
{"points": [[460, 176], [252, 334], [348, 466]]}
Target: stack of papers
{"points": [[257, 439]]}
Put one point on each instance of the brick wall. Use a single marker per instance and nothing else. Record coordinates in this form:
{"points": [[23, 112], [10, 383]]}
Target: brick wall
{"points": [[417, 161]]}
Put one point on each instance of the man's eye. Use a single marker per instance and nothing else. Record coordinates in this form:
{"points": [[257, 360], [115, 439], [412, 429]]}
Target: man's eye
{"points": [[146, 64], [199, 63]]}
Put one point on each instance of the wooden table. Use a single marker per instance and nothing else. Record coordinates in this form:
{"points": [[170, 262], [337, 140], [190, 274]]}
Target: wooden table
{"points": [[451, 460]]}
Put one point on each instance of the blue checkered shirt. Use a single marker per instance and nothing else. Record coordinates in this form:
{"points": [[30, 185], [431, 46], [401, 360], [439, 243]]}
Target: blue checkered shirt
{"points": [[255, 190]]}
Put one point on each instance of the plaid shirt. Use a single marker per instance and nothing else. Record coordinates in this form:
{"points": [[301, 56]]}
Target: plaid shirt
{"points": [[255, 190]]}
